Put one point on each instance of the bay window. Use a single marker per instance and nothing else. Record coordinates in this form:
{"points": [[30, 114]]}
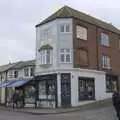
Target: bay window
{"points": [[46, 56]]}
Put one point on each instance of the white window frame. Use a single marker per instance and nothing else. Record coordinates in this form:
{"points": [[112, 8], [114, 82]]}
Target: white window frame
{"points": [[105, 41], [65, 52], [81, 32], [43, 56], [26, 68], [65, 25], [10, 74], [106, 62]]}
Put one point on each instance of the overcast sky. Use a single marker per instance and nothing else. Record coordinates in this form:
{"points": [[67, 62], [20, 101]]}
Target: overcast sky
{"points": [[19, 17]]}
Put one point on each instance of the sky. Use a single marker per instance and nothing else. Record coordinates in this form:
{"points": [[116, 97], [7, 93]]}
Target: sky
{"points": [[19, 17]]}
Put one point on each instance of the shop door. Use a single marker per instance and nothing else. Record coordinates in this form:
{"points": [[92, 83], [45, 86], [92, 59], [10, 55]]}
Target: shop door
{"points": [[65, 90]]}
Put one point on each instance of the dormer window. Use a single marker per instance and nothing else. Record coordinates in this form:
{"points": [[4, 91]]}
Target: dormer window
{"points": [[45, 55]]}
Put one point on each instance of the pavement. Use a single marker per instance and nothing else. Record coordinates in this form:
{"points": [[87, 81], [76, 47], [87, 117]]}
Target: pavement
{"points": [[41, 111], [102, 110]]}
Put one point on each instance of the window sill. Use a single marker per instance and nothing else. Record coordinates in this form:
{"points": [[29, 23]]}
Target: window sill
{"points": [[65, 62], [82, 39], [45, 64], [105, 46], [107, 68], [65, 32]]}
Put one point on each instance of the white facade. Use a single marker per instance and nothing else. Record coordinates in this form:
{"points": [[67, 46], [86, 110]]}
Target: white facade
{"points": [[57, 40]]}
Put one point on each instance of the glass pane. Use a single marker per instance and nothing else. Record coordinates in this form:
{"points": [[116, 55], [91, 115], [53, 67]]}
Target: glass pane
{"points": [[61, 28], [68, 58], [42, 90], [62, 59], [48, 57], [67, 28]]}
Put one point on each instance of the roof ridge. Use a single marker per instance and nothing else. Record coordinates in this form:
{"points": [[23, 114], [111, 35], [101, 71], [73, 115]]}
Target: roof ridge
{"points": [[68, 12]]}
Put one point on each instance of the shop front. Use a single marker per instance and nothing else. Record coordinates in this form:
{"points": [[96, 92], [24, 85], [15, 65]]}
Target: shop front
{"points": [[46, 91], [26, 93]]}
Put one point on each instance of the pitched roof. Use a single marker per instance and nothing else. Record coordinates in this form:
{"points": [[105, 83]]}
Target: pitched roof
{"points": [[24, 64], [7, 67], [17, 65], [67, 12]]}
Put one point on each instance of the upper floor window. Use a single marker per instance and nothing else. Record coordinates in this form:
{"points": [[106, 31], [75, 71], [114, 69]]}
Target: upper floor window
{"points": [[26, 71], [82, 57], [31, 71], [106, 62], [46, 55], [64, 28], [105, 40], [46, 34], [10, 74], [15, 74], [65, 55], [81, 32]]}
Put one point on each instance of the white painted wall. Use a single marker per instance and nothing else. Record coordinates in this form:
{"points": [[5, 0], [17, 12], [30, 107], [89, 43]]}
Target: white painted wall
{"points": [[20, 74], [100, 86], [58, 40]]}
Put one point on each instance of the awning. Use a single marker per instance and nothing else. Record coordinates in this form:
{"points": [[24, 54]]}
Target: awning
{"points": [[18, 83], [5, 84]]}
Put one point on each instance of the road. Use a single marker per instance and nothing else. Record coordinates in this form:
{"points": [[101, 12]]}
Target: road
{"points": [[106, 113]]}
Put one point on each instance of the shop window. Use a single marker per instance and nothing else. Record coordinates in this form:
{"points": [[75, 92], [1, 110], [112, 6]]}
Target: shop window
{"points": [[86, 88], [30, 94], [42, 90], [47, 90], [111, 84]]}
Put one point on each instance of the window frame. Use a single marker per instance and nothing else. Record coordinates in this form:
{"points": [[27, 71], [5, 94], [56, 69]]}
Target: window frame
{"points": [[10, 74], [31, 71], [106, 61], [82, 36], [65, 53], [110, 84], [103, 41], [65, 25], [44, 56], [26, 72]]}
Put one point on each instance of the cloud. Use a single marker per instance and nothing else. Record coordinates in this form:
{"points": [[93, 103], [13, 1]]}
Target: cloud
{"points": [[19, 17]]}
